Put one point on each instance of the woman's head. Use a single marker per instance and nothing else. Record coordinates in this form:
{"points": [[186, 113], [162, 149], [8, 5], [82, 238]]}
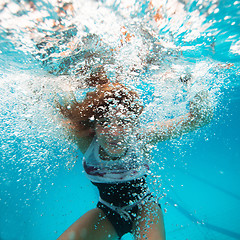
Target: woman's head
{"points": [[111, 110], [116, 109], [114, 96]]}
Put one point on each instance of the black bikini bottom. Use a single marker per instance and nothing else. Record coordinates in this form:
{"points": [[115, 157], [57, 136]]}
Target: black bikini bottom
{"points": [[121, 224], [120, 202]]}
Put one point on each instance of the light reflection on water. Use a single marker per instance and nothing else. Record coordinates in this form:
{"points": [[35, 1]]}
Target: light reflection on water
{"points": [[148, 45]]}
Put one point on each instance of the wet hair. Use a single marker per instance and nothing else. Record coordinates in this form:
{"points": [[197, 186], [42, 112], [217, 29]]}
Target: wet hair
{"points": [[100, 102]]}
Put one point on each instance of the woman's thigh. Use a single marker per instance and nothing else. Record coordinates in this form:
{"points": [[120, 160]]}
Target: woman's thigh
{"points": [[93, 225], [149, 223]]}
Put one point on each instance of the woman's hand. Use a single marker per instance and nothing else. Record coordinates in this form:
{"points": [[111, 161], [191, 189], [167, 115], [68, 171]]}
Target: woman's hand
{"points": [[200, 114], [201, 110]]}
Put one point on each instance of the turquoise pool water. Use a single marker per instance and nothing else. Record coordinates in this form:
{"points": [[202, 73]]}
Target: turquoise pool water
{"points": [[42, 187]]}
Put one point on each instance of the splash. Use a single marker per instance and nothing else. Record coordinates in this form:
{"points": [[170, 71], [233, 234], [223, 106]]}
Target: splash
{"points": [[49, 47], [148, 45]]}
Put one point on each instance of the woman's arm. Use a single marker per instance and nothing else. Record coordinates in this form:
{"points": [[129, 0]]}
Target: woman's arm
{"points": [[199, 115]]}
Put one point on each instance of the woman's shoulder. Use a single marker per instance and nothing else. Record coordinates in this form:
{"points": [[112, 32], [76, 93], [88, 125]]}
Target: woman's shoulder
{"points": [[84, 143]]}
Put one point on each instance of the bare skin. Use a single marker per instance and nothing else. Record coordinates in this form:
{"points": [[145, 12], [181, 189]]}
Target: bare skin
{"points": [[149, 223], [95, 226], [92, 225]]}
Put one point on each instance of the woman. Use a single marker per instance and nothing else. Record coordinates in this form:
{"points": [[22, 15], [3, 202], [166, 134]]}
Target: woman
{"points": [[105, 126]]}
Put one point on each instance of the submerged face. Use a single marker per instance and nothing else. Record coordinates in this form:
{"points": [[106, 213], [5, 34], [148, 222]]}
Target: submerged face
{"points": [[114, 131]]}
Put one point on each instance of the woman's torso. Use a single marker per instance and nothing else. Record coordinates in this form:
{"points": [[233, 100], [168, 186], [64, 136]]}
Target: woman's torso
{"points": [[131, 166]]}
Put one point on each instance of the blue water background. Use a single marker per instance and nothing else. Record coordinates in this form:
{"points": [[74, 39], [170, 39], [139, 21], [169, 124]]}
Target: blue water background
{"points": [[201, 172]]}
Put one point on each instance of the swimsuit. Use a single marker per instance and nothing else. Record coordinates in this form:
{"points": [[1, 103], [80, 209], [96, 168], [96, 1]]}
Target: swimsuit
{"points": [[121, 201], [121, 183], [129, 167]]}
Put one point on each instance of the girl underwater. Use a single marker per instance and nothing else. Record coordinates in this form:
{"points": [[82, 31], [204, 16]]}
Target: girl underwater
{"points": [[106, 128]]}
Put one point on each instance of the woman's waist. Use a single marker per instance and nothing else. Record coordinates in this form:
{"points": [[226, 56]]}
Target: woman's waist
{"points": [[123, 193]]}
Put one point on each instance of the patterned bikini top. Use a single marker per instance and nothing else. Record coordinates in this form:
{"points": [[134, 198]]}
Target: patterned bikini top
{"points": [[131, 166]]}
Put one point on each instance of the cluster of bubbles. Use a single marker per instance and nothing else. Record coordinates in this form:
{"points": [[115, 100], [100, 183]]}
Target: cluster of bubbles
{"points": [[167, 51]]}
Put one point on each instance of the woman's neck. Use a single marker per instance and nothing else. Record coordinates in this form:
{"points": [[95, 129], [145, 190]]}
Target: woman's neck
{"points": [[106, 157]]}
